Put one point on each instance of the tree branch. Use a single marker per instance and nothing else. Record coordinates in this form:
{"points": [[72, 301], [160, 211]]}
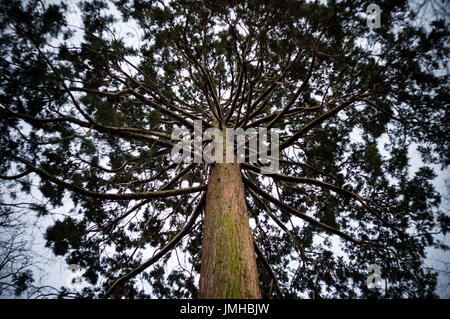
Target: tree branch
{"points": [[169, 246], [291, 140], [268, 268], [309, 219], [331, 187], [110, 196]]}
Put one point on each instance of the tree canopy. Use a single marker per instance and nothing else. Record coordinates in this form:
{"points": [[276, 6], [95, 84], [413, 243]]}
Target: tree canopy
{"points": [[87, 112]]}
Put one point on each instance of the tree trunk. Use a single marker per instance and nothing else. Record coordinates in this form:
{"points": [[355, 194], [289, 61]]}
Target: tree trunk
{"points": [[228, 268]]}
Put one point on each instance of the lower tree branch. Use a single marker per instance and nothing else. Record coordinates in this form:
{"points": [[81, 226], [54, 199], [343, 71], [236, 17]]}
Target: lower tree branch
{"points": [[169, 246], [328, 186], [309, 219], [111, 196], [268, 268]]}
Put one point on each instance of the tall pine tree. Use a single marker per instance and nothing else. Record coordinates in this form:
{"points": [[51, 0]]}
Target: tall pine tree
{"points": [[87, 114]]}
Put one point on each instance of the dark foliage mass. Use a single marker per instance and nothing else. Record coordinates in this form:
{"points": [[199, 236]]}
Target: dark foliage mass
{"points": [[87, 112]]}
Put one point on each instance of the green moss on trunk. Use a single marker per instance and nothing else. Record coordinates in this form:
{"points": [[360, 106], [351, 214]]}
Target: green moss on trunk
{"points": [[228, 259]]}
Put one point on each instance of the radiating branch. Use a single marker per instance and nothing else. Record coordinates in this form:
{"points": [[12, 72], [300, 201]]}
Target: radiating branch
{"points": [[268, 268], [111, 196], [168, 247], [328, 186], [317, 121], [309, 219]]}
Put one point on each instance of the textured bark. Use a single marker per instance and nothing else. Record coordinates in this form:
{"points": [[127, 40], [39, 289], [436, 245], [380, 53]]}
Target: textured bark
{"points": [[228, 267]]}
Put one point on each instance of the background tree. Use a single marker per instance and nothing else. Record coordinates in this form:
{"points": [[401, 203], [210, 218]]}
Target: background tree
{"points": [[91, 114], [21, 266], [15, 258]]}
